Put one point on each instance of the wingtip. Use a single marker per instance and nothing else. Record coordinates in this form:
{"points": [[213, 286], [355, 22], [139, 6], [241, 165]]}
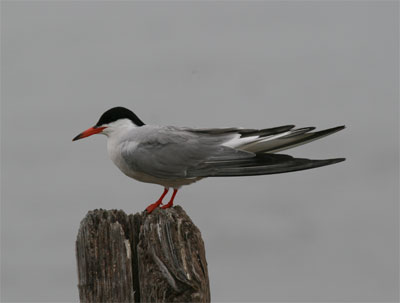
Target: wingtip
{"points": [[330, 131], [333, 161], [337, 128], [337, 160]]}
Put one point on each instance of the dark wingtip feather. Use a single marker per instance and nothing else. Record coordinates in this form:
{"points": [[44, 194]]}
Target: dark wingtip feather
{"points": [[331, 130], [333, 161], [265, 164], [325, 162]]}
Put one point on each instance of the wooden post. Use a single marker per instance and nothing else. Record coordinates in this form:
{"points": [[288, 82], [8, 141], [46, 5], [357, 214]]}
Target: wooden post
{"points": [[157, 257]]}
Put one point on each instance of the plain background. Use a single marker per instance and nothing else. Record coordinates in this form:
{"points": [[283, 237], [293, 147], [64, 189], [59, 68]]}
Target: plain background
{"points": [[329, 234]]}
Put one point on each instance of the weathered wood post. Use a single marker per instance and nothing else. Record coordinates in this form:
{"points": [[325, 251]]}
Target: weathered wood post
{"points": [[157, 257]]}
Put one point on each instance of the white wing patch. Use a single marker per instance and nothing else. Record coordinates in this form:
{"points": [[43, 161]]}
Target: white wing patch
{"points": [[246, 142], [237, 140]]}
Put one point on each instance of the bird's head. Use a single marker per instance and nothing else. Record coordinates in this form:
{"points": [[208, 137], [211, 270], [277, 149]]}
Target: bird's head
{"points": [[112, 120]]}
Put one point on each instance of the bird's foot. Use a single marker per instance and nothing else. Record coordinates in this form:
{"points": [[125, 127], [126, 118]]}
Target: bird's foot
{"points": [[152, 207], [168, 205], [171, 202]]}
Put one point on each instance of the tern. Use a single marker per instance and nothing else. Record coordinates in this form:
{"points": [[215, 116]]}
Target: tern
{"points": [[175, 156]]}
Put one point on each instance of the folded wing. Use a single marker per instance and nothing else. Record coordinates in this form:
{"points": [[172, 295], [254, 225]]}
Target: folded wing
{"points": [[173, 153]]}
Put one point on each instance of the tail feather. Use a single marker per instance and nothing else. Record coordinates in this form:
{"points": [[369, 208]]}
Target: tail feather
{"points": [[300, 131], [244, 132], [294, 138], [261, 133]]}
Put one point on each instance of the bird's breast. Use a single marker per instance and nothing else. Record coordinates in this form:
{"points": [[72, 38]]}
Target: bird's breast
{"points": [[114, 149]]}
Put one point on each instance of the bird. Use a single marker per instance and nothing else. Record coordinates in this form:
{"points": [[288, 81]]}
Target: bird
{"points": [[173, 156]]}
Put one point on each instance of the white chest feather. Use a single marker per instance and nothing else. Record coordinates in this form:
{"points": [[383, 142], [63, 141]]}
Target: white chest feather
{"points": [[114, 148]]}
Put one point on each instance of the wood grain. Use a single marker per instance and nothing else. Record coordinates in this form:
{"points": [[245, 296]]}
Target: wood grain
{"points": [[157, 257]]}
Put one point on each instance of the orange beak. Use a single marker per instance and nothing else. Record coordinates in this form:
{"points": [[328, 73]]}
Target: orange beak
{"points": [[91, 131]]}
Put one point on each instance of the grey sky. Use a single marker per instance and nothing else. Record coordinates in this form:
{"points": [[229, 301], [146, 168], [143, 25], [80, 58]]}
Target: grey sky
{"points": [[329, 234]]}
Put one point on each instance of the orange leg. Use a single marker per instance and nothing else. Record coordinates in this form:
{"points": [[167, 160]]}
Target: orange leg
{"points": [[153, 206], [171, 202]]}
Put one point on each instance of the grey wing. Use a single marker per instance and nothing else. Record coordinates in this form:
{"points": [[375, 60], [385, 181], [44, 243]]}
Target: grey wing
{"points": [[171, 153]]}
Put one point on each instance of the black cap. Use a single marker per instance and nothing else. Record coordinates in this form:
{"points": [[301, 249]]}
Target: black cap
{"points": [[117, 113]]}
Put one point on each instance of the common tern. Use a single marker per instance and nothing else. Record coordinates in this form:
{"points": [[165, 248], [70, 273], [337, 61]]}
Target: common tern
{"points": [[175, 156]]}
